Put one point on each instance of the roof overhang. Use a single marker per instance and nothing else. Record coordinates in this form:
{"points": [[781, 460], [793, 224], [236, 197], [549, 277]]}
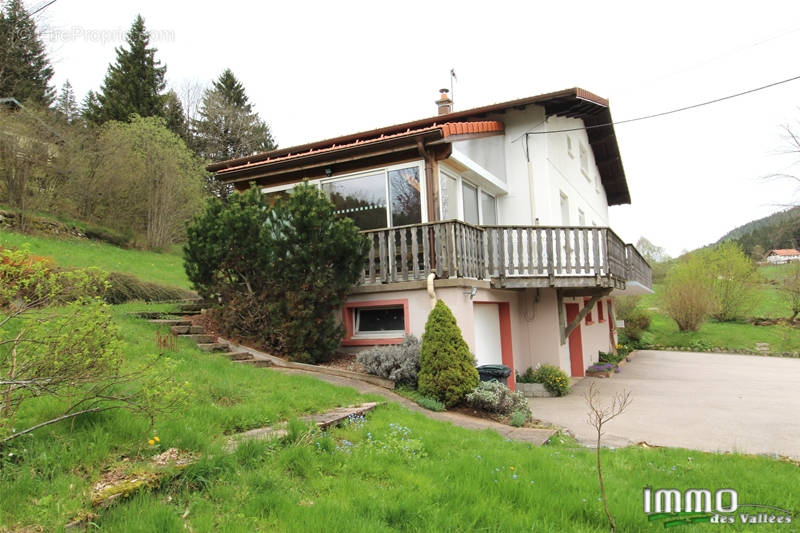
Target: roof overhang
{"points": [[573, 103]]}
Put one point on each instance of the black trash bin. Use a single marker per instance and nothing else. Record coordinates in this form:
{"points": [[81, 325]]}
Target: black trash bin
{"points": [[494, 373]]}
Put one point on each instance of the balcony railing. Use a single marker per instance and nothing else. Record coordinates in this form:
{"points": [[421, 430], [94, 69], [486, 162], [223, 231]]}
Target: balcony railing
{"points": [[510, 256]]}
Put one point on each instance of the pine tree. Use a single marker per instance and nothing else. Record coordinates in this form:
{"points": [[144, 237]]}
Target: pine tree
{"points": [[25, 71], [228, 128], [175, 117], [134, 84], [66, 103]]}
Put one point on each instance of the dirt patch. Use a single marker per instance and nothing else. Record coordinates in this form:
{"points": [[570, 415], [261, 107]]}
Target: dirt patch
{"points": [[345, 361]]}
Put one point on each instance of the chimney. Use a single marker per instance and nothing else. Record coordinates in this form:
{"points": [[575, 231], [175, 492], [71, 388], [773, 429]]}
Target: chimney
{"points": [[444, 102]]}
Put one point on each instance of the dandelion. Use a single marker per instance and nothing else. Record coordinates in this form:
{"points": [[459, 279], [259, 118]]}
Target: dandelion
{"points": [[156, 439], [511, 468], [151, 442]]}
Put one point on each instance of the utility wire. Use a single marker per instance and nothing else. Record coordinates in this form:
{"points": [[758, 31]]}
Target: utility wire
{"points": [[670, 112], [48, 4]]}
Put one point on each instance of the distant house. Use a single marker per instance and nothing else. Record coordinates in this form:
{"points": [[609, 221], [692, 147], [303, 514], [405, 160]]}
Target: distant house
{"points": [[500, 211], [779, 257]]}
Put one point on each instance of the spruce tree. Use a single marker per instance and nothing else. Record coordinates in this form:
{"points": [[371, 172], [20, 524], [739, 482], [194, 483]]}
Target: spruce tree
{"points": [[133, 84], [175, 117], [228, 128], [66, 103], [25, 71]]}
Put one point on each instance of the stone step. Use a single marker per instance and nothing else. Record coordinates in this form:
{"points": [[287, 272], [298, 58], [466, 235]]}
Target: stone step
{"points": [[189, 313], [170, 322], [335, 416], [190, 307], [239, 356], [187, 329], [199, 339], [258, 363], [214, 347]]}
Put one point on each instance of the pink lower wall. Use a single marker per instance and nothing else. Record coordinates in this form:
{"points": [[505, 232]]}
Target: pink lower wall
{"points": [[535, 336]]}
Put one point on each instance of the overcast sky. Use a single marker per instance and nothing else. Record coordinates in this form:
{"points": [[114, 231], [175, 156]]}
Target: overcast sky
{"points": [[315, 70]]}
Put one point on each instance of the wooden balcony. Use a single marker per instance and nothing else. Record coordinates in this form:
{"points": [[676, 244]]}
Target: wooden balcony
{"points": [[507, 256]]}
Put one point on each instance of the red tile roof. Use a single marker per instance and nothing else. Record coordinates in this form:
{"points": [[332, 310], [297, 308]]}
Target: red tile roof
{"points": [[448, 129], [785, 252]]}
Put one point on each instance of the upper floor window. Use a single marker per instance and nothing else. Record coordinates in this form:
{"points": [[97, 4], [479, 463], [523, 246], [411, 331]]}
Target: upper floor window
{"points": [[581, 217], [584, 153], [570, 150], [462, 200], [378, 199], [564, 210]]}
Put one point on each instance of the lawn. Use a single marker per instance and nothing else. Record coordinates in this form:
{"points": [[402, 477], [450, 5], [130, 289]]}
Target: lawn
{"points": [[163, 268], [396, 470]]}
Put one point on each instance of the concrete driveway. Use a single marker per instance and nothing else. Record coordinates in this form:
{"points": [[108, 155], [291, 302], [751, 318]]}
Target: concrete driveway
{"points": [[703, 401]]}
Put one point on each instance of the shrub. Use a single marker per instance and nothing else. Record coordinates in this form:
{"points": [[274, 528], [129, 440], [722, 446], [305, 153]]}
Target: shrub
{"points": [[611, 357], [126, 287], [636, 322], [519, 417], [734, 280], [494, 397], [687, 297], [282, 270], [430, 404], [528, 377], [553, 378], [397, 362], [447, 371]]}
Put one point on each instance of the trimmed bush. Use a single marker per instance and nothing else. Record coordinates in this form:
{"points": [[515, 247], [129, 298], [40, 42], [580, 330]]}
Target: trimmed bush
{"points": [[397, 362], [553, 378], [446, 368], [518, 418], [494, 397]]}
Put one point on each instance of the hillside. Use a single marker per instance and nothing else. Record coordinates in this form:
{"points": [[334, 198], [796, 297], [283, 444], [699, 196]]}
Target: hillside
{"points": [[162, 268], [779, 230]]}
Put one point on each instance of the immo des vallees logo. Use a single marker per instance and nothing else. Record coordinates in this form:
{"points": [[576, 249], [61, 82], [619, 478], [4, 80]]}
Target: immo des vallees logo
{"points": [[694, 506]]}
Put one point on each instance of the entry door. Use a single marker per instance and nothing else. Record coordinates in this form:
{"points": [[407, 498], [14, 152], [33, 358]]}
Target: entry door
{"points": [[575, 343], [488, 343]]}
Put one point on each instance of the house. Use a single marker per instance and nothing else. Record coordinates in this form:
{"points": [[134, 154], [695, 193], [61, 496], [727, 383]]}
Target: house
{"points": [[779, 257], [501, 211]]}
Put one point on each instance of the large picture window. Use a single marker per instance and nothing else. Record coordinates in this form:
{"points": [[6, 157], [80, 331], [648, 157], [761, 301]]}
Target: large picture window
{"points": [[386, 198]]}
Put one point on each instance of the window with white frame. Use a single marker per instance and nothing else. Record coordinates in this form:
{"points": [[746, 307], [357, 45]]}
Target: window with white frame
{"points": [[564, 210], [379, 321], [466, 201], [383, 198], [584, 154]]}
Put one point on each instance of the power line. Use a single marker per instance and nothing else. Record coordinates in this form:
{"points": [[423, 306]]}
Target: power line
{"points": [[48, 4], [670, 112]]}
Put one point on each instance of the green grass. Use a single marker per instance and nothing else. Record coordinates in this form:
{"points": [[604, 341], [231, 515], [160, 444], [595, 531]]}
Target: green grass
{"points": [[731, 335], [163, 268], [363, 477]]}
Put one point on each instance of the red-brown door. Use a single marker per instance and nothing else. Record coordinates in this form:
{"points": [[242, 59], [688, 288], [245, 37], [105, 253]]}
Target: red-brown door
{"points": [[575, 343]]}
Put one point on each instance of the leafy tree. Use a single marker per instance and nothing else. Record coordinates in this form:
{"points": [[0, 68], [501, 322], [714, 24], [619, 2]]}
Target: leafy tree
{"points": [[71, 355], [25, 71], [66, 103], [734, 280], [446, 368], [281, 271], [147, 180], [791, 289], [133, 84], [228, 127], [687, 297]]}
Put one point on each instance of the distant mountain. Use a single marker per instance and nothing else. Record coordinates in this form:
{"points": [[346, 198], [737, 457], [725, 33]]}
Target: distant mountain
{"points": [[779, 230]]}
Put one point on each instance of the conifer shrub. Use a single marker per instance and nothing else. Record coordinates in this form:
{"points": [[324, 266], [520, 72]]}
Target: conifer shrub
{"points": [[281, 270], [446, 368]]}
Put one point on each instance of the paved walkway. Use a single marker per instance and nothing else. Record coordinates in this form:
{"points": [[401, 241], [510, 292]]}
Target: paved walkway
{"points": [[531, 435], [703, 401]]}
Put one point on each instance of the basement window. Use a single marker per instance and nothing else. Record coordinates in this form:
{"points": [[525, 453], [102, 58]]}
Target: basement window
{"points": [[379, 321], [588, 320], [600, 316]]}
